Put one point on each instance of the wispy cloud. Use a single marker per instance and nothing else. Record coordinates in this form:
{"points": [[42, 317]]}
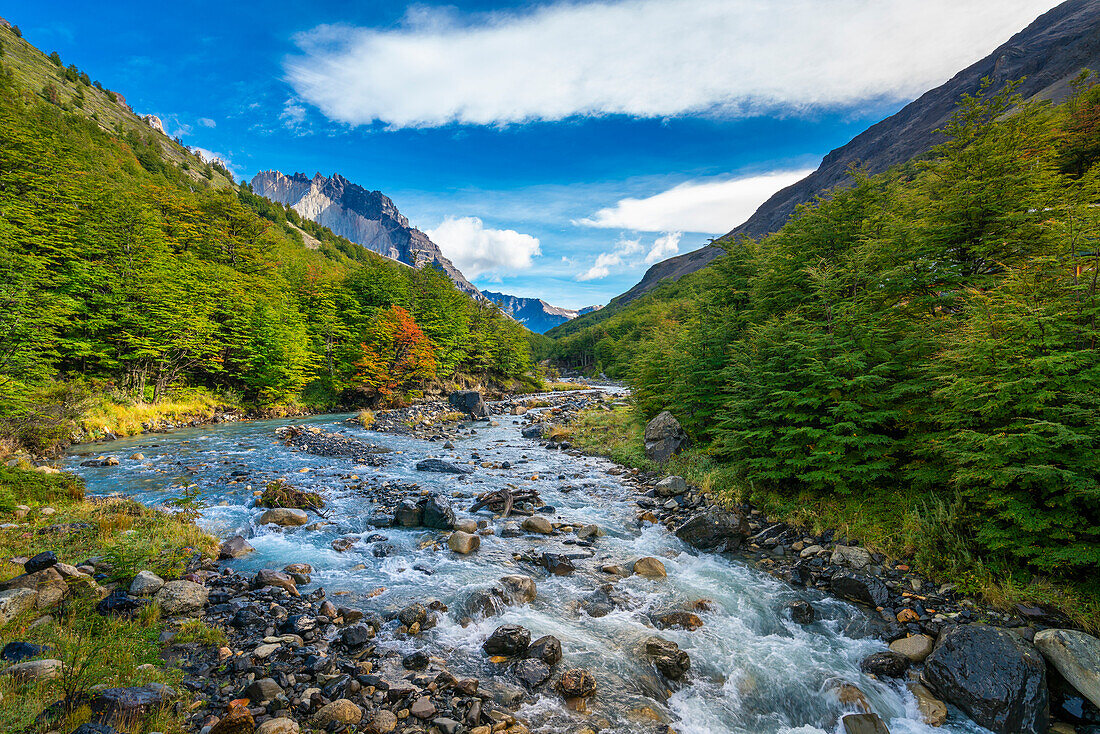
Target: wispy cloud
{"points": [[627, 252], [710, 207], [479, 250], [645, 58], [206, 122]]}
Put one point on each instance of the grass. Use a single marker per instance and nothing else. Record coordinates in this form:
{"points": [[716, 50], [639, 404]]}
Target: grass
{"points": [[198, 631], [94, 650], [281, 494], [129, 418], [366, 418], [925, 528]]}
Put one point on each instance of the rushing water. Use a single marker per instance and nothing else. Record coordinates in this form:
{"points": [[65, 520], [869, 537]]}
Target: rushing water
{"points": [[753, 669]]}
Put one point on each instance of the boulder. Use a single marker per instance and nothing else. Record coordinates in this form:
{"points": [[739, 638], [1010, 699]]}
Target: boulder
{"points": [[16, 651], [915, 647], [714, 530], [35, 670], [442, 467], [671, 487], [237, 720], [383, 722], [341, 710], [533, 431], [469, 402], [509, 640], [547, 649], [125, 706], [577, 683], [1076, 656], [932, 710], [886, 664], [266, 577], [463, 543], [668, 657], [14, 602], [557, 564], [234, 547], [282, 725], [519, 589], [851, 556], [860, 589], [997, 678], [262, 691], [146, 583], [863, 724], [802, 611], [678, 620], [649, 568], [438, 513], [408, 514], [181, 597], [532, 673], [283, 516], [423, 708], [40, 562], [664, 436], [48, 585], [537, 524]]}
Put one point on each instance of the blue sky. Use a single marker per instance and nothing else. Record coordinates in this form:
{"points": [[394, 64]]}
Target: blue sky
{"points": [[552, 149]]}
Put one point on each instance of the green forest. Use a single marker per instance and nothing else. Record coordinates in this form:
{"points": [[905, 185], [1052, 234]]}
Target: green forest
{"points": [[132, 268], [930, 332]]}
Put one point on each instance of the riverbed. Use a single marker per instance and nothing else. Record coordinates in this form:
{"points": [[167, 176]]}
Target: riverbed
{"points": [[753, 669]]}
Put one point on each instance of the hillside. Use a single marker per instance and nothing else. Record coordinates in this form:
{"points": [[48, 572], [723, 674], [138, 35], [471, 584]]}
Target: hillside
{"points": [[368, 218], [1046, 56], [125, 277]]}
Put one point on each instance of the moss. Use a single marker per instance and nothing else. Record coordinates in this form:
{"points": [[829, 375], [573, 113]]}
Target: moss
{"points": [[280, 494]]}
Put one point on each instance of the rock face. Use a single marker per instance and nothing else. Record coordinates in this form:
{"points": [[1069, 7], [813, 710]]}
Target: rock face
{"points": [[995, 677], [369, 218], [534, 313], [714, 530], [1046, 55], [664, 436], [1076, 656]]}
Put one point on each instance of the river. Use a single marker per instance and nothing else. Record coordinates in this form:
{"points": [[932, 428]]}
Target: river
{"points": [[753, 669]]}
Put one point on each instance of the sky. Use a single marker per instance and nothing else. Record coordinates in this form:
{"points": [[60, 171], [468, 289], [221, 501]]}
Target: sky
{"points": [[552, 149]]}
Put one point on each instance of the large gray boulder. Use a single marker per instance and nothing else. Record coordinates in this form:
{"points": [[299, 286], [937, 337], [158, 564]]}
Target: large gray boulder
{"points": [[1076, 656], [442, 467], [469, 402], [714, 529], [664, 436], [181, 597], [997, 678], [438, 513]]}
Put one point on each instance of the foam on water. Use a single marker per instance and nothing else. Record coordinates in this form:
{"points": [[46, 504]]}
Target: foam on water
{"points": [[753, 669]]}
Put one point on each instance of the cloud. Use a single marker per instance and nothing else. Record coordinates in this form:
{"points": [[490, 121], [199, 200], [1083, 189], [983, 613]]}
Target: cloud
{"points": [[293, 114], [644, 58], [625, 252], [478, 250], [206, 122], [665, 246], [712, 207]]}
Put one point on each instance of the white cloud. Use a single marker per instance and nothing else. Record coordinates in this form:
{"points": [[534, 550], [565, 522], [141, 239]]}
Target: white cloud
{"points": [[663, 247], [645, 58], [206, 122], [293, 114], [476, 249], [712, 207]]}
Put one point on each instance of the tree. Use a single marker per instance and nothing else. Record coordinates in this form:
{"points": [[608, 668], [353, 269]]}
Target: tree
{"points": [[397, 356]]}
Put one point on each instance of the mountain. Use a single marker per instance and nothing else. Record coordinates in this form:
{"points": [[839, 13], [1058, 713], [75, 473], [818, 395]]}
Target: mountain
{"points": [[369, 218], [1048, 54], [535, 313]]}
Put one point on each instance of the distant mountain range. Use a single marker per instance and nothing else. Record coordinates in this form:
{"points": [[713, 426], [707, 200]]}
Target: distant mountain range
{"points": [[1049, 53], [371, 219], [535, 313]]}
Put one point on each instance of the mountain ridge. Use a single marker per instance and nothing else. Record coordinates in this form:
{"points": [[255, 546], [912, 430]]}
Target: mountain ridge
{"points": [[535, 313]]}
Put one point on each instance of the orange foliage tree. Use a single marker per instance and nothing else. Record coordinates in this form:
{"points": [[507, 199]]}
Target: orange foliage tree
{"points": [[397, 356]]}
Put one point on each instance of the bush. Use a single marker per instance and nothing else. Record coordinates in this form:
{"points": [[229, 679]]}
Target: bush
{"points": [[280, 494]]}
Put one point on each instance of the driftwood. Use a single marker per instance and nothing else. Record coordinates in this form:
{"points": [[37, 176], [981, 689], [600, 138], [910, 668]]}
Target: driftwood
{"points": [[502, 501]]}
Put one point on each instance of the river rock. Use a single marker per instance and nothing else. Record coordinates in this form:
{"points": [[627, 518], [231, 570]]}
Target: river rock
{"points": [[282, 725], [671, 487], [1076, 656], [886, 664], [235, 547], [14, 602], [577, 683], [863, 724], [48, 585], [802, 611], [40, 562], [463, 543], [509, 640], [124, 706], [413, 614], [438, 513], [532, 673], [466, 525], [668, 657], [537, 524], [851, 556], [146, 583], [664, 436], [932, 710], [341, 710], [519, 589], [915, 647], [1009, 694], [442, 467], [714, 530], [262, 691], [181, 597], [547, 649], [534, 431], [678, 620], [383, 722], [859, 588], [649, 568], [557, 564], [408, 514], [35, 670], [16, 651], [469, 402], [266, 577], [283, 516]]}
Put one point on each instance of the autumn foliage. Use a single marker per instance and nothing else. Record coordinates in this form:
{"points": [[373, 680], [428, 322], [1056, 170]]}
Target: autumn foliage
{"points": [[397, 356]]}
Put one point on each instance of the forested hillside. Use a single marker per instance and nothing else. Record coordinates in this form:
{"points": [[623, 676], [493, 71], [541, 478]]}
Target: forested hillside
{"points": [[928, 332], [123, 272]]}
